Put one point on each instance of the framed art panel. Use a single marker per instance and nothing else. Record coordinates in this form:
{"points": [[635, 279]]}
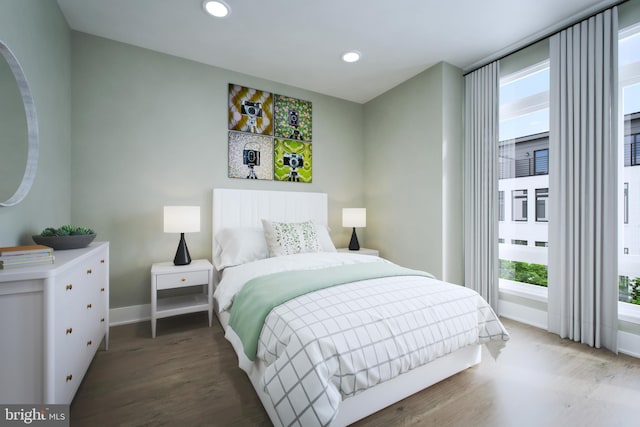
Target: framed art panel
{"points": [[250, 156], [293, 161], [250, 110], [293, 118]]}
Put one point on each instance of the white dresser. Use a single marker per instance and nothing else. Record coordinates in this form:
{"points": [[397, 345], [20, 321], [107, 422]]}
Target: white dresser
{"points": [[52, 320]]}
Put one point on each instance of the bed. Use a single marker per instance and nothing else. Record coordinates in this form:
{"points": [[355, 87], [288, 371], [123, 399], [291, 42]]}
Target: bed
{"points": [[299, 352]]}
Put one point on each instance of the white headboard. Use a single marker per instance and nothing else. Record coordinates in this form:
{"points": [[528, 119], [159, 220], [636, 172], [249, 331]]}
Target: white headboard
{"points": [[246, 208]]}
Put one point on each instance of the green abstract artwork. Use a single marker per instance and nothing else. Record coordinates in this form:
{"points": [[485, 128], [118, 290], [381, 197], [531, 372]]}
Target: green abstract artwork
{"points": [[292, 161]]}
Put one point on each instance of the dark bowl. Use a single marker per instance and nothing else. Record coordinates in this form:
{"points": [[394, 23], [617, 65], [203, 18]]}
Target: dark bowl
{"points": [[65, 242]]}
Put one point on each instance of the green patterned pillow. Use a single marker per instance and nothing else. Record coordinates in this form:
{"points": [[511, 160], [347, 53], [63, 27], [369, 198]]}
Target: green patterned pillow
{"points": [[288, 238]]}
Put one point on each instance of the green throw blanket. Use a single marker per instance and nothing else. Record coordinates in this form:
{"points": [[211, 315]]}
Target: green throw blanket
{"points": [[260, 295]]}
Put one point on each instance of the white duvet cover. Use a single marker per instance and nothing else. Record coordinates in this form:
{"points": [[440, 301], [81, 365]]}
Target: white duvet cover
{"points": [[330, 344]]}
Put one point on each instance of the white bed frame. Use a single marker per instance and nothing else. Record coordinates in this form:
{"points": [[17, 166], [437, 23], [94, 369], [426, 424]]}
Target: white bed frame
{"points": [[246, 208]]}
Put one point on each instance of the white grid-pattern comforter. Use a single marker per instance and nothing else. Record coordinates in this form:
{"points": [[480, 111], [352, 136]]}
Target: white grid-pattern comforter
{"points": [[330, 344]]}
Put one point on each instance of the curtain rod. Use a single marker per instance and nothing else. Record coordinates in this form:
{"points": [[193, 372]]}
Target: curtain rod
{"points": [[543, 34]]}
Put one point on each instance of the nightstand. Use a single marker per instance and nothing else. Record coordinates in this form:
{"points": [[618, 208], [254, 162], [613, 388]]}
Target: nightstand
{"points": [[362, 251], [166, 275]]}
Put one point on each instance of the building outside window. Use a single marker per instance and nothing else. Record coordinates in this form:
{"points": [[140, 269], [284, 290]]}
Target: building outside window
{"points": [[519, 206], [542, 199], [500, 205], [632, 148], [626, 203], [541, 162]]}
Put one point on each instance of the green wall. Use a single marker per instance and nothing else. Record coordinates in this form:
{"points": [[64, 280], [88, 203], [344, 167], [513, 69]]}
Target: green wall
{"points": [[413, 172], [39, 37], [150, 130]]}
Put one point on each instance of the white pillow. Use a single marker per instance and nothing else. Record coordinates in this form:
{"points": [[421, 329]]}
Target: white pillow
{"points": [[239, 245], [324, 240], [288, 238]]}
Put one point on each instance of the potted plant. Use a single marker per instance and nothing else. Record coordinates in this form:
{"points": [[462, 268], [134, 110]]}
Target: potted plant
{"points": [[65, 237]]}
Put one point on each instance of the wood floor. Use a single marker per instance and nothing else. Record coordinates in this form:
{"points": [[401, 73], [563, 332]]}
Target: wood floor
{"points": [[188, 376]]}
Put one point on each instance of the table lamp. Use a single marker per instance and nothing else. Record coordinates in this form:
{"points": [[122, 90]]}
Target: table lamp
{"points": [[354, 217], [182, 219]]}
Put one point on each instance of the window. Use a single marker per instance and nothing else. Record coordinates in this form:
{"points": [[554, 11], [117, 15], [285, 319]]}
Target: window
{"points": [[523, 168], [500, 240], [635, 150], [519, 206], [541, 162], [626, 203], [629, 159], [542, 198]]}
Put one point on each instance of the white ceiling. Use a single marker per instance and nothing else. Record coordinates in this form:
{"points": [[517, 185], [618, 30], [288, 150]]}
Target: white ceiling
{"points": [[300, 42]]}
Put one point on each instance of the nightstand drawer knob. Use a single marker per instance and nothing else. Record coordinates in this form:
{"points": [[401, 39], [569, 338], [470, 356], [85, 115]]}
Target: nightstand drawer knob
{"points": [[88, 305], [69, 377], [184, 279], [102, 320], [101, 289], [89, 271], [69, 287], [101, 261], [69, 330], [89, 343]]}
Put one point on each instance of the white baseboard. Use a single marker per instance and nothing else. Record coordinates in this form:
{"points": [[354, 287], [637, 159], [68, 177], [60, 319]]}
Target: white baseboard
{"points": [[130, 314]]}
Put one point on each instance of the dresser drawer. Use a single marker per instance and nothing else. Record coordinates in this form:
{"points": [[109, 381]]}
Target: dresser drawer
{"points": [[179, 280]]}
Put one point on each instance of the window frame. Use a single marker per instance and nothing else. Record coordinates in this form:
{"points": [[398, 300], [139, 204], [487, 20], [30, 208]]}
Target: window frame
{"points": [[525, 205]]}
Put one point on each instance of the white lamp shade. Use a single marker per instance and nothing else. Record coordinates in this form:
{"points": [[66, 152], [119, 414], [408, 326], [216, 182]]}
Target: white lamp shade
{"points": [[181, 219], [354, 217]]}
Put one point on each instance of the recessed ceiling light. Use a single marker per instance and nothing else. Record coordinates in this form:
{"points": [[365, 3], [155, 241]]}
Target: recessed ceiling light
{"points": [[219, 9], [351, 56]]}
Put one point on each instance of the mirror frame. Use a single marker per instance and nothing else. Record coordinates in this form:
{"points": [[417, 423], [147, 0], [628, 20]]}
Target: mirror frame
{"points": [[32, 128]]}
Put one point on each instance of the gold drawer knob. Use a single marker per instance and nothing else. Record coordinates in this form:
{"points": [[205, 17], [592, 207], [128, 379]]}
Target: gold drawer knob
{"points": [[88, 305], [69, 377], [101, 261], [89, 271], [69, 330], [184, 279], [101, 289], [69, 287], [102, 320], [89, 343]]}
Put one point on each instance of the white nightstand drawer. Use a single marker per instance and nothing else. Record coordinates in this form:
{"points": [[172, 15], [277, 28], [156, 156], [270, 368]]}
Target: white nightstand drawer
{"points": [[179, 280]]}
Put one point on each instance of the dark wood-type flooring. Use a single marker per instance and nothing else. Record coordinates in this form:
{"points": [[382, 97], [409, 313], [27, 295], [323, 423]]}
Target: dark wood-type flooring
{"points": [[188, 376]]}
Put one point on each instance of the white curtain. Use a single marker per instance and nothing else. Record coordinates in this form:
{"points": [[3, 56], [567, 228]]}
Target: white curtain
{"points": [[583, 282], [481, 182]]}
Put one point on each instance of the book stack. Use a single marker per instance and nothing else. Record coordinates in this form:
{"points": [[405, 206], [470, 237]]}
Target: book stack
{"points": [[25, 256]]}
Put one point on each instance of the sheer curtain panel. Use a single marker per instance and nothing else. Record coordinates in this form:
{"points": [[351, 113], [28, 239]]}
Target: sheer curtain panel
{"points": [[583, 291], [481, 182]]}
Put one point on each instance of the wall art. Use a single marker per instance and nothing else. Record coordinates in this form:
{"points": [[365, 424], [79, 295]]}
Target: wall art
{"points": [[293, 161], [293, 118], [250, 156], [250, 110]]}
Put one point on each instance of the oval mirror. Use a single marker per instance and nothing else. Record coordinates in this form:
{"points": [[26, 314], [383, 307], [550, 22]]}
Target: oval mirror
{"points": [[18, 131]]}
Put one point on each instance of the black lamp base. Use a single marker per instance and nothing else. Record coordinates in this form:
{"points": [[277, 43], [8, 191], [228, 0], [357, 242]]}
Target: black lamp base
{"points": [[182, 254], [353, 244]]}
